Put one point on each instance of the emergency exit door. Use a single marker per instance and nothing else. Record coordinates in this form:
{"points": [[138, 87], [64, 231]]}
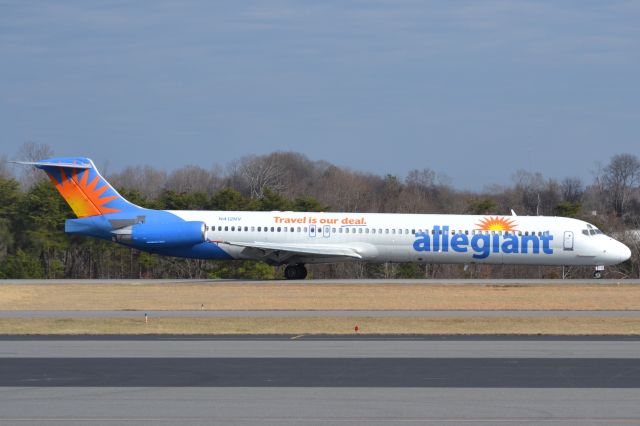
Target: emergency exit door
{"points": [[568, 241]]}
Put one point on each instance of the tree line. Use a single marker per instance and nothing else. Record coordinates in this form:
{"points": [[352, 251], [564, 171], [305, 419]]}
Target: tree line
{"points": [[33, 243]]}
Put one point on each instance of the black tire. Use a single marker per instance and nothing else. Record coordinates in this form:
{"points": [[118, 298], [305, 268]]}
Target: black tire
{"points": [[302, 272], [290, 272], [295, 272], [597, 274]]}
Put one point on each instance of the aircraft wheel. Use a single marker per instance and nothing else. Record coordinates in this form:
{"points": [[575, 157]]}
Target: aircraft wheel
{"points": [[302, 272], [597, 274], [295, 272]]}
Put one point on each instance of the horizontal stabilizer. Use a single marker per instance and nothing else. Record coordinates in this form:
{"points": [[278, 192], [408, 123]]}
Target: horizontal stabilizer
{"points": [[41, 164]]}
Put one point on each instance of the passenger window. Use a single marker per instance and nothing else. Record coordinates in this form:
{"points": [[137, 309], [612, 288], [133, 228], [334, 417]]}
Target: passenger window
{"points": [[226, 228], [366, 231], [279, 229], [305, 229], [299, 229], [259, 228], [333, 230], [219, 228], [253, 228], [393, 231], [360, 230]]}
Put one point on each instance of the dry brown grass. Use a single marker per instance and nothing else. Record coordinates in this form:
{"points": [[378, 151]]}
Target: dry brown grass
{"points": [[322, 325], [301, 296]]}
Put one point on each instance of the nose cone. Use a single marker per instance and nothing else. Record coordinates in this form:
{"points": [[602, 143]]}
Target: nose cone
{"points": [[613, 252], [624, 252]]}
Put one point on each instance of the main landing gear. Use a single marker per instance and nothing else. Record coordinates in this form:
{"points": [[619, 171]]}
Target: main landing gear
{"points": [[295, 272]]}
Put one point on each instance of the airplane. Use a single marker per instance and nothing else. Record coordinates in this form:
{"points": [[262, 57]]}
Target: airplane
{"points": [[295, 239]]}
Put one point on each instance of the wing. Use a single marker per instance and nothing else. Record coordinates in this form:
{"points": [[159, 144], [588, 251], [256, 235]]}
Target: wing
{"points": [[280, 253]]}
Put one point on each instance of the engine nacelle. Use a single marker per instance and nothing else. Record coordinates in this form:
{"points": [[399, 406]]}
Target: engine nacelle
{"points": [[174, 234]]}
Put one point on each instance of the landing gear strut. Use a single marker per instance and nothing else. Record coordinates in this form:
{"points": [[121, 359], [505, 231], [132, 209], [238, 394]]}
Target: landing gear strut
{"points": [[295, 272]]}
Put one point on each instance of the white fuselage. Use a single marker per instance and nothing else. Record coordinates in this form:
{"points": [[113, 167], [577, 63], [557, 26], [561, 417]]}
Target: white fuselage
{"points": [[377, 237]]}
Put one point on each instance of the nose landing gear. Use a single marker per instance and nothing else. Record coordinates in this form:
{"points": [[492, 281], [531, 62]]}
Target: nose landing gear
{"points": [[597, 274], [295, 272]]}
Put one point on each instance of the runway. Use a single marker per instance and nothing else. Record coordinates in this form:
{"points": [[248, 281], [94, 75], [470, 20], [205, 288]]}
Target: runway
{"points": [[323, 372], [319, 347], [274, 380]]}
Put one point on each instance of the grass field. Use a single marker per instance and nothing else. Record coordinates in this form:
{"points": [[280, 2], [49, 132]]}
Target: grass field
{"points": [[304, 296], [233, 296], [322, 325]]}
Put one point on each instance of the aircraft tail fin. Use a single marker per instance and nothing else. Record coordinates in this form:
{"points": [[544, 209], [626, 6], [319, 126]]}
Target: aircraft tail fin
{"points": [[82, 186]]}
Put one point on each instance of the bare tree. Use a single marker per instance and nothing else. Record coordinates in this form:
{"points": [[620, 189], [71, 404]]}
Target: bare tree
{"points": [[619, 178], [31, 151], [572, 189], [5, 169], [260, 173], [148, 181], [192, 179], [425, 178]]}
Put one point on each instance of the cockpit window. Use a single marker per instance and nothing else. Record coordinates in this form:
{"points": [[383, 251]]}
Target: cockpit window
{"points": [[591, 230]]}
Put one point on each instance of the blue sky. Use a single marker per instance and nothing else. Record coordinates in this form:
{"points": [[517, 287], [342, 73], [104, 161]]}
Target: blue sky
{"points": [[474, 89]]}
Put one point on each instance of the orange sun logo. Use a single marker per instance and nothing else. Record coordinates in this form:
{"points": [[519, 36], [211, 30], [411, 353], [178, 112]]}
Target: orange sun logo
{"points": [[81, 195], [496, 224]]}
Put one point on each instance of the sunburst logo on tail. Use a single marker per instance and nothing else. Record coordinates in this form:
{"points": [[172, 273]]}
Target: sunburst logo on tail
{"points": [[83, 196], [496, 224]]}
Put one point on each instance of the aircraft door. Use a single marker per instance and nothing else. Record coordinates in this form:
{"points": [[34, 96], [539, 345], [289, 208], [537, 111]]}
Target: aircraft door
{"points": [[312, 230], [567, 244], [326, 231]]}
